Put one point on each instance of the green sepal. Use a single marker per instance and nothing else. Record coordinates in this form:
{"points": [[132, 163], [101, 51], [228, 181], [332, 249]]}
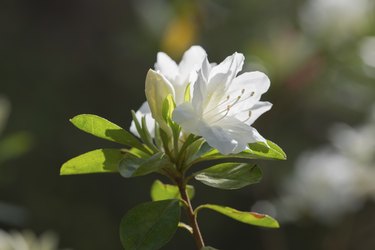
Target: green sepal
{"points": [[258, 150], [250, 218], [102, 128], [132, 166], [161, 191], [230, 175], [96, 161], [150, 225]]}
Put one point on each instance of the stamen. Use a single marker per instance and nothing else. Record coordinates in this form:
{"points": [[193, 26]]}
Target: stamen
{"points": [[249, 116], [222, 109]]}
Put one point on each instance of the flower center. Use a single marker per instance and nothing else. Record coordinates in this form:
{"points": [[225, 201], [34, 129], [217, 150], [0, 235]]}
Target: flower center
{"points": [[222, 109]]}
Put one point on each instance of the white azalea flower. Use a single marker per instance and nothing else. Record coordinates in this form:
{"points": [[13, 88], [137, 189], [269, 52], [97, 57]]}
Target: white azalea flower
{"points": [[224, 106], [168, 78]]}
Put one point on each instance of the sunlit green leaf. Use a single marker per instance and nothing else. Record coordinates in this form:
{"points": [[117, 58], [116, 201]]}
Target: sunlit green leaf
{"points": [[150, 225], [96, 161], [269, 151], [230, 175], [105, 129], [132, 166], [251, 218], [257, 150], [161, 191]]}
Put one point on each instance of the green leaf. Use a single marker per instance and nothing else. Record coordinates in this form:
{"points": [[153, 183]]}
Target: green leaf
{"points": [[132, 166], [149, 226], [161, 191], [257, 150], [251, 218], [96, 161], [230, 175], [105, 129], [272, 151]]}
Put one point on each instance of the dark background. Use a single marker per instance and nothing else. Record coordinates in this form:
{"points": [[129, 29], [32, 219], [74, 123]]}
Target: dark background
{"points": [[62, 58]]}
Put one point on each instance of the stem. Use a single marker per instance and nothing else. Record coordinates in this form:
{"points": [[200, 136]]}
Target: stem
{"points": [[190, 212]]}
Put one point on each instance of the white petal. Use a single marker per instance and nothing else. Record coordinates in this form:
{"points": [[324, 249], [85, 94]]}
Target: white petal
{"points": [[217, 138], [145, 111], [157, 89], [230, 136], [207, 94], [186, 117], [249, 87], [227, 70], [166, 66], [255, 81], [218, 80], [200, 92], [191, 62], [257, 110]]}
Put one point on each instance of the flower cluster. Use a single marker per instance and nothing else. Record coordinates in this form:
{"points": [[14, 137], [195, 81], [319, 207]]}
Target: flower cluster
{"points": [[195, 112], [210, 100]]}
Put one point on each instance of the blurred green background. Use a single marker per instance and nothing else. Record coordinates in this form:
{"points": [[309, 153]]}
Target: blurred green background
{"points": [[62, 58]]}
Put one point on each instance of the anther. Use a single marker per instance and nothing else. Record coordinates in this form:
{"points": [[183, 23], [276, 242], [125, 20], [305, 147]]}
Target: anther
{"points": [[252, 93], [248, 118], [242, 91]]}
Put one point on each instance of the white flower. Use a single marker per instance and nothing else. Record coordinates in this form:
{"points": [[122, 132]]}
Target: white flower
{"points": [[168, 78], [224, 107]]}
